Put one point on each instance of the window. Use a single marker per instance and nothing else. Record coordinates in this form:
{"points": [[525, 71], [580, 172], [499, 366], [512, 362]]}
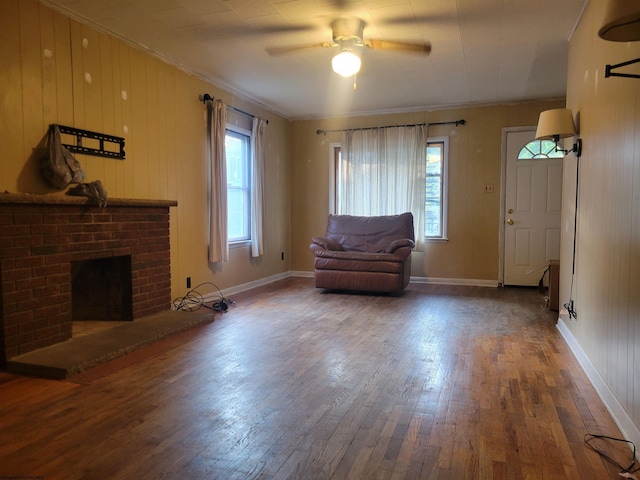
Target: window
{"points": [[435, 207], [238, 151], [335, 177], [436, 162], [539, 149]]}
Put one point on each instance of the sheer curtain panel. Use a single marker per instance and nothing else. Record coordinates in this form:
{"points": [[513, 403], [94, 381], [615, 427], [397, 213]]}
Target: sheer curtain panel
{"points": [[382, 172]]}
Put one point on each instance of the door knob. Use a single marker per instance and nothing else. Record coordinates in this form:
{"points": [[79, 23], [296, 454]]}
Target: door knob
{"points": [[509, 221]]}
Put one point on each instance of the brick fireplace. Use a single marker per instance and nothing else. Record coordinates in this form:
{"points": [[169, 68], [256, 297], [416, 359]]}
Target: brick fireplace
{"points": [[43, 238]]}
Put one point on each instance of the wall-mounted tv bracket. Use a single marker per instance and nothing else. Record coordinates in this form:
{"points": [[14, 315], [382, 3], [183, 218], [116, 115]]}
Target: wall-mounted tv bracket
{"points": [[609, 73], [116, 152]]}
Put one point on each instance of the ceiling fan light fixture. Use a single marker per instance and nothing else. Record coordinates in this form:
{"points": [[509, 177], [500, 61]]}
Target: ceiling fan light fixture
{"points": [[346, 63]]}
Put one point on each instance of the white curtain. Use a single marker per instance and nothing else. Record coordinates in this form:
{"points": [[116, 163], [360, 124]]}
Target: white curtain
{"points": [[383, 173], [217, 125], [257, 186]]}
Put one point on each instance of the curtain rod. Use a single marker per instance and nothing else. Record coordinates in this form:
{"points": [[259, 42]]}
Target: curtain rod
{"points": [[206, 96], [456, 122]]}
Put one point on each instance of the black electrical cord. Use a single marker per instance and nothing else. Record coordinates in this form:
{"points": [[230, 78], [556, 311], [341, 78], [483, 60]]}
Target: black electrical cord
{"points": [[569, 305], [590, 438], [194, 300]]}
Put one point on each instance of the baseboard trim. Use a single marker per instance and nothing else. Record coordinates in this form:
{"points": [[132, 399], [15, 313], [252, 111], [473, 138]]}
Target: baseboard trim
{"points": [[301, 273], [618, 413], [228, 292], [468, 282]]}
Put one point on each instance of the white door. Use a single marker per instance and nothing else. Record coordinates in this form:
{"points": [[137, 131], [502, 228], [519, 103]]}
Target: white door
{"points": [[533, 201]]}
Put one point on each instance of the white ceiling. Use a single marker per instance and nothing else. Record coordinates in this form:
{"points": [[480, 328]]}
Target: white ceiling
{"points": [[484, 51]]}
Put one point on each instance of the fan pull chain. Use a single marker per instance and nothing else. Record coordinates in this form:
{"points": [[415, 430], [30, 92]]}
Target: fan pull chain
{"points": [[355, 82]]}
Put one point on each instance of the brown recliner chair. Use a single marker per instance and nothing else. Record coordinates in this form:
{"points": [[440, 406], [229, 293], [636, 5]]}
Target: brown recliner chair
{"points": [[371, 254]]}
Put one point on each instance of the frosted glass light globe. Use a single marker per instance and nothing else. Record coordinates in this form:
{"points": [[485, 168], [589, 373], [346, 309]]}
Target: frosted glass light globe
{"points": [[346, 63]]}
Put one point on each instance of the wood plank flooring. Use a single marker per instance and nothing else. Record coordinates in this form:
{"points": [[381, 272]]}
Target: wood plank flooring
{"points": [[437, 383]]}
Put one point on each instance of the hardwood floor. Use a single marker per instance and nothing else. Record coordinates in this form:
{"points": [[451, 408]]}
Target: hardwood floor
{"points": [[437, 383]]}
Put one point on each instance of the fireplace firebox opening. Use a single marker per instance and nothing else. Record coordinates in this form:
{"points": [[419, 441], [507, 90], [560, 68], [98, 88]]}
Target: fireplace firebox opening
{"points": [[101, 289]]}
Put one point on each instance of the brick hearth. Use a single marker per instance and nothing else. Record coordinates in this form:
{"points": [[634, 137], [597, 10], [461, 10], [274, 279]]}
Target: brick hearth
{"points": [[40, 235]]}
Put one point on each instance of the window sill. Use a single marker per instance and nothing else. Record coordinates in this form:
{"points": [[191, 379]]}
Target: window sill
{"points": [[436, 240], [239, 244]]}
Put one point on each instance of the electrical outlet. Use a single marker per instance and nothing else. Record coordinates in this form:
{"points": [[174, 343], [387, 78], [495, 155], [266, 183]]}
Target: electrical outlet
{"points": [[188, 282], [488, 188]]}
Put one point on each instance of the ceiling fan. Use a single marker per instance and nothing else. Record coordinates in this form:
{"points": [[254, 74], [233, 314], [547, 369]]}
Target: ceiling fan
{"points": [[348, 37]]}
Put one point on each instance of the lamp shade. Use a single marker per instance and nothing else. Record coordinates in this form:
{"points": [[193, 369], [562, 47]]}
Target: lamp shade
{"points": [[555, 124], [621, 21], [346, 63]]}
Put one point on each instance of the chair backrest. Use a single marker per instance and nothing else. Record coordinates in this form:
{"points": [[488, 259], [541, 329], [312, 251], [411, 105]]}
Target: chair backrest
{"points": [[369, 234]]}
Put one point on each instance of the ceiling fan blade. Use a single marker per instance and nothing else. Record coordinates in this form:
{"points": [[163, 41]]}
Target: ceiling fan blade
{"points": [[431, 19], [207, 32], [421, 48], [275, 51]]}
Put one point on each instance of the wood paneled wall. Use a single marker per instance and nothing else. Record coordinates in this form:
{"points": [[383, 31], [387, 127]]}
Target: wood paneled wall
{"points": [[606, 285], [57, 70], [472, 251]]}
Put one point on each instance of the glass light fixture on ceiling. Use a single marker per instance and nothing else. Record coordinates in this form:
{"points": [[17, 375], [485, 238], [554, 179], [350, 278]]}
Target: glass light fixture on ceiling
{"points": [[346, 63]]}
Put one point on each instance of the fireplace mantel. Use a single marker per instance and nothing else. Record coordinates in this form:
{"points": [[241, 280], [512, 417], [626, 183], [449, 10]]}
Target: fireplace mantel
{"points": [[42, 235], [60, 199]]}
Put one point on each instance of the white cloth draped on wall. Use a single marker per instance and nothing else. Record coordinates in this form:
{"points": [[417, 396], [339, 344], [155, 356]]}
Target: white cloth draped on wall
{"points": [[383, 173], [257, 187], [217, 125]]}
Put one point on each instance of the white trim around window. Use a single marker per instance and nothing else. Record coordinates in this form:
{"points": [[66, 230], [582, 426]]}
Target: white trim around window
{"points": [[444, 185]]}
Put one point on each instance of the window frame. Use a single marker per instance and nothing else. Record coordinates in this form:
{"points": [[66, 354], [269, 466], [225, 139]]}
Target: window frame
{"points": [[335, 149], [334, 159], [444, 189], [239, 132]]}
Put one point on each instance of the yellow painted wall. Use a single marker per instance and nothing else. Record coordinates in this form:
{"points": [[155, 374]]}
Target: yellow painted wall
{"points": [[56, 70], [472, 252], [606, 287]]}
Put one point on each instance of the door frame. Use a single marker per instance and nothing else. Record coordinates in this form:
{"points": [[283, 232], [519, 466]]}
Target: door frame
{"points": [[503, 195]]}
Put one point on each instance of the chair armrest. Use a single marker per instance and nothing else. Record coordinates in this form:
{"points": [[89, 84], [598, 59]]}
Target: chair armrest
{"points": [[396, 244], [326, 243]]}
